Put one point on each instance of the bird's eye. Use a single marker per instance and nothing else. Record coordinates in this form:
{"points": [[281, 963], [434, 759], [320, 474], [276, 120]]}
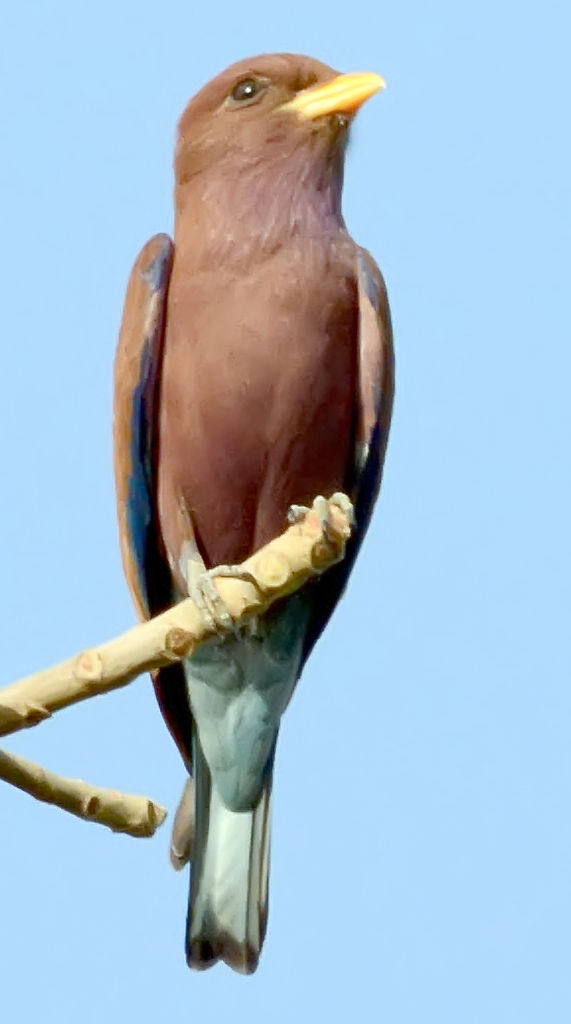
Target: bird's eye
{"points": [[247, 90]]}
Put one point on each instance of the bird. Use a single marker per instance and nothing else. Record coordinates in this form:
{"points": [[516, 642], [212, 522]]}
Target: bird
{"points": [[254, 372]]}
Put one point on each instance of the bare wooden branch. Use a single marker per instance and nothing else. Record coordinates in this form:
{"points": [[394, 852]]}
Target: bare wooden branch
{"points": [[281, 567], [122, 812], [306, 549]]}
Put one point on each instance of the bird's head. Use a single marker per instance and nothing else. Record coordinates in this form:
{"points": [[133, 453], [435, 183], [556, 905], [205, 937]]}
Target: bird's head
{"points": [[272, 124], [265, 109]]}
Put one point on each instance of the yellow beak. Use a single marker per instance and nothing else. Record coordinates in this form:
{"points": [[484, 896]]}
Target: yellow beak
{"points": [[342, 95]]}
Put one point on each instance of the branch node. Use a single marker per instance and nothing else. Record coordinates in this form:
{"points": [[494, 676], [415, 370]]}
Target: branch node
{"points": [[33, 714], [324, 553], [178, 643], [89, 667], [271, 570], [92, 807]]}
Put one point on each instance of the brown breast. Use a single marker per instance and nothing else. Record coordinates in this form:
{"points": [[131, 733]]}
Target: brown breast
{"points": [[257, 395]]}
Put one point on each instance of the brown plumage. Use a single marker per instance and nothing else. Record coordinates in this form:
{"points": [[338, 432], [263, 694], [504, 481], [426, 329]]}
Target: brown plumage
{"points": [[265, 379], [268, 412]]}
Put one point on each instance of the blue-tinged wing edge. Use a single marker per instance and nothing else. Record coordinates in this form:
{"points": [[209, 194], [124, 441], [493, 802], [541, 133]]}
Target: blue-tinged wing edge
{"points": [[374, 402], [137, 378]]}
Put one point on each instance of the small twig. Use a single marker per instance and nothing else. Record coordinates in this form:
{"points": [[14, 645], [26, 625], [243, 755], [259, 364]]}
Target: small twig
{"points": [[121, 812]]}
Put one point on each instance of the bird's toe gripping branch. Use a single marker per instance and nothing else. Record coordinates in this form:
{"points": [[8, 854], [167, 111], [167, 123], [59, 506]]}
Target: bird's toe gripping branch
{"points": [[322, 507], [201, 586], [205, 595], [274, 572]]}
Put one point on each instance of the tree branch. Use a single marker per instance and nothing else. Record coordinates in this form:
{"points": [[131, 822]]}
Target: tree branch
{"points": [[121, 812], [306, 549]]}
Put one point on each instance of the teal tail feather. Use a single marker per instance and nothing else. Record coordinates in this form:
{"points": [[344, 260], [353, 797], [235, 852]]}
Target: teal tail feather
{"points": [[228, 903]]}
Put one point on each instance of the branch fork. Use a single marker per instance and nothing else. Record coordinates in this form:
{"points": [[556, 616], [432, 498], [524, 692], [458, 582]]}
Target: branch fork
{"points": [[306, 549]]}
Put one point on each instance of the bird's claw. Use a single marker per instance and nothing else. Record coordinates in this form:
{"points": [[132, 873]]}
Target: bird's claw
{"points": [[297, 513], [345, 504], [205, 594], [322, 506], [206, 597]]}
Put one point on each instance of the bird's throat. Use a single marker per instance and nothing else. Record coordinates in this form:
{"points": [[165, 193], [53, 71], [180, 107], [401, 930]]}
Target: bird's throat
{"points": [[263, 210]]}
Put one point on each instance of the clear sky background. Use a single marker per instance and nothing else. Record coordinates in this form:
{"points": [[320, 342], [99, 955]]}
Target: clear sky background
{"points": [[422, 841]]}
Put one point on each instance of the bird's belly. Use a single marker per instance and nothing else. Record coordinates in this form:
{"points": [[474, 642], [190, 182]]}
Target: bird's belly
{"points": [[257, 406]]}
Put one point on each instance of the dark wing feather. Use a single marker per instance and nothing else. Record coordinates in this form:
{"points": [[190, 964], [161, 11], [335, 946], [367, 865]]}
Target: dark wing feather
{"points": [[137, 375], [373, 418]]}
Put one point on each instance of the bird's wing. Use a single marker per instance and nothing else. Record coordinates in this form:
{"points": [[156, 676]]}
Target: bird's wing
{"points": [[137, 376], [375, 389]]}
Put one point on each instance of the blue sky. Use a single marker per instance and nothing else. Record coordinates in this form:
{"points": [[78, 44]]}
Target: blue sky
{"points": [[421, 864]]}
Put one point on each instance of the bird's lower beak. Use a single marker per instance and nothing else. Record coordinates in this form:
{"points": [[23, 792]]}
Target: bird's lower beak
{"points": [[344, 94]]}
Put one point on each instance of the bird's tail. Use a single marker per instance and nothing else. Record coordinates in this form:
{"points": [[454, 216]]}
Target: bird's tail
{"points": [[228, 904]]}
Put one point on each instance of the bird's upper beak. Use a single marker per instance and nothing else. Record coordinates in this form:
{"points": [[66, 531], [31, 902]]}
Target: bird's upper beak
{"points": [[344, 94]]}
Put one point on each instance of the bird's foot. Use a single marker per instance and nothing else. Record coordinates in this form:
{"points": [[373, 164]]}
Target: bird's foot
{"points": [[205, 594], [322, 507], [345, 504], [297, 513]]}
